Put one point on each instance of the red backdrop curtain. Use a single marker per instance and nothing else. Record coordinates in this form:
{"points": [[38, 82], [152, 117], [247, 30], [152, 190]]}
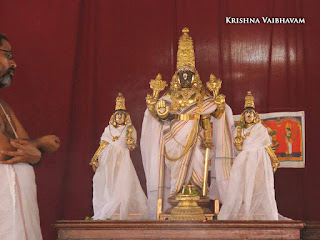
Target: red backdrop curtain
{"points": [[75, 56]]}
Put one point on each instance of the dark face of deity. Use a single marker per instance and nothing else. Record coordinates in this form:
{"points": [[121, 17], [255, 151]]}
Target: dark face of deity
{"points": [[120, 118], [249, 116], [186, 78], [7, 65]]}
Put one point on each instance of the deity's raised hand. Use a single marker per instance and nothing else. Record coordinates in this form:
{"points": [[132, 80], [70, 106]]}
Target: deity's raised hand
{"points": [[162, 109]]}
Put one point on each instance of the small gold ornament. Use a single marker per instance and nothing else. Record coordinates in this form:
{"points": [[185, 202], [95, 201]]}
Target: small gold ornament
{"points": [[196, 82], [115, 138], [175, 83]]}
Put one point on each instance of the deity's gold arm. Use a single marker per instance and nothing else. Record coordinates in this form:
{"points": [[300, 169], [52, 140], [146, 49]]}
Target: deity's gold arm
{"points": [[207, 144], [94, 161], [130, 140], [274, 159], [214, 85], [238, 140], [151, 105], [221, 106]]}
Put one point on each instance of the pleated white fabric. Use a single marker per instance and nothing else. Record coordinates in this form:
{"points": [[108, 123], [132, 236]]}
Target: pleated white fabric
{"points": [[250, 194], [19, 213], [117, 193]]}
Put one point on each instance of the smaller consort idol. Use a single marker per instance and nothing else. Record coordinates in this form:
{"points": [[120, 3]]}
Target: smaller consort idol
{"points": [[250, 194], [117, 193]]}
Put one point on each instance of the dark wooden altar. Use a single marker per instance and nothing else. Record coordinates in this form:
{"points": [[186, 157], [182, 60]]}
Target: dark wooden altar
{"points": [[101, 230]]}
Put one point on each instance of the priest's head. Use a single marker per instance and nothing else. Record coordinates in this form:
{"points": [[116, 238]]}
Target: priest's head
{"points": [[7, 64]]}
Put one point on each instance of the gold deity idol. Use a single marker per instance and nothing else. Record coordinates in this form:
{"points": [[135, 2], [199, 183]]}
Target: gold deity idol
{"points": [[186, 100], [249, 117], [119, 118]]}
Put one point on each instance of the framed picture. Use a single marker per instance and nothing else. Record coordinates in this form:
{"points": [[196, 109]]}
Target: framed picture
{"points": [[287, 133]]}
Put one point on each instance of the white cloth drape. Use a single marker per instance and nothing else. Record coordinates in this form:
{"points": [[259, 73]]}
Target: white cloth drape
{"points": [[19, 213], [117, 193], [250, 194]]}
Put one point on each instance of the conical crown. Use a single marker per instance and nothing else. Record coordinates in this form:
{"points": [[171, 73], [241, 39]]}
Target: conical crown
{"points": [[185, 54], [120, 102], [249, 101]]}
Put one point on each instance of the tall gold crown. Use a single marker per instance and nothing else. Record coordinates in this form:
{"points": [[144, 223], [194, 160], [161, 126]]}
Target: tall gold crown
{"points": [[120, 102], [185, 54], [249, 100]]}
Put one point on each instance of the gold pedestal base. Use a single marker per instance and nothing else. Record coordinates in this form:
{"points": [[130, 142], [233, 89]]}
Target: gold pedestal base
{"points": [[187, 209], [164, 216]]}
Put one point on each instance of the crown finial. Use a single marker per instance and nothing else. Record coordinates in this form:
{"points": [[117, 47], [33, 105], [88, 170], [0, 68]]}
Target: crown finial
{"points": [[249, 100], [185, 30]]}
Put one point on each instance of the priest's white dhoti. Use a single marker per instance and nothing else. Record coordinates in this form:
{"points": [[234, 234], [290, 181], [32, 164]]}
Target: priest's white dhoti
{"points": [[19, 213]]}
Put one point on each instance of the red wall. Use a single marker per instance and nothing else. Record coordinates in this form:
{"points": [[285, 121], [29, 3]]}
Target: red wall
{"points": [[75, 56]]}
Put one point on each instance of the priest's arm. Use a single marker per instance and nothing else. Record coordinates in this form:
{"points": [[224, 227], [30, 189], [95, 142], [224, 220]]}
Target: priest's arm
{"points": [[22, 148]]}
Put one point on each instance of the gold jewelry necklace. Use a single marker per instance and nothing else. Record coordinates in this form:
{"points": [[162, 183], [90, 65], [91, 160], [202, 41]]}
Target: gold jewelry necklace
{"points": [[248, 133], [114, 138]]}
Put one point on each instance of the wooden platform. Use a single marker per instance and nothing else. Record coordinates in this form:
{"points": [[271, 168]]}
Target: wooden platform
{"points": [[311, 230], [100, 230]]}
